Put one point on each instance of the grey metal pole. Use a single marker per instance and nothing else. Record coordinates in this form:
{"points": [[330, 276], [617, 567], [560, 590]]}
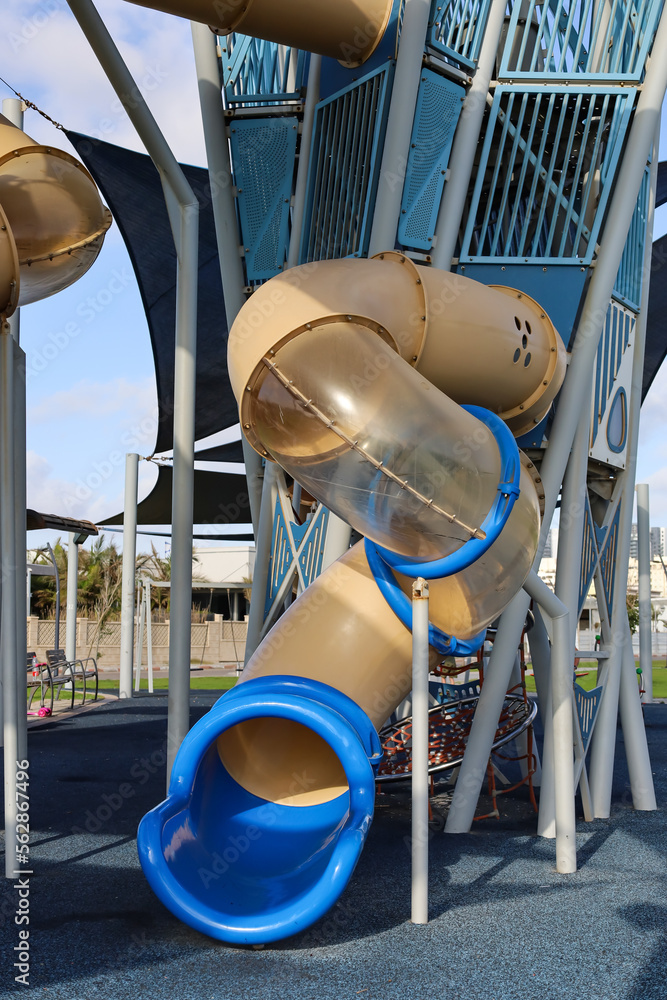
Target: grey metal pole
{"points": [[485, 722], [72, 596], [337, 541], [8, 638], [573, 396], [561, 723], [634, 733], [603, 743], [57, 576], [399, 125], [644, 590], [462, 158], [13, 109], [419, 895], [260, 574], [300, 188], [183, 209], [129, 574], [149, 636], [224, 215]]}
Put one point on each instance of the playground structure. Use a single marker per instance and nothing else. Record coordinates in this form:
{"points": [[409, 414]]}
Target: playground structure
{"points": [[465, 193]]}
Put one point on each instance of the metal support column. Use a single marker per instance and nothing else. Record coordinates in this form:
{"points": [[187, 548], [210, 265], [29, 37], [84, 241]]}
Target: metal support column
{"points": [[462, 158], [260, 576], [72, 596], [301, 186], [420, 780], [644, 590], [129, 573], [224, 214], [183, 209], [399, 125]]}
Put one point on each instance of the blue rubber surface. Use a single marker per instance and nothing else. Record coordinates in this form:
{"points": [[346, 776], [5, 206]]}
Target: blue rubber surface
{"points": [[504, 925]]}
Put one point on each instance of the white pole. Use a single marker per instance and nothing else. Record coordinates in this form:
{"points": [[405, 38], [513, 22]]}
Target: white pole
{"points": [[260, 576], [149, 635], [8, 637], [183, 209], [634, 733], [419, 914], [399, 125], [224, 214], [300, 188], [13, 109], [561, 722], [129, 572], [140, 637], [72, 596], [644, 561], [464, 148]]}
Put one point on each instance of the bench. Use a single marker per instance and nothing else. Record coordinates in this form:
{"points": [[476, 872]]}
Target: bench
{"points": [[40, 679], [85, 669]]}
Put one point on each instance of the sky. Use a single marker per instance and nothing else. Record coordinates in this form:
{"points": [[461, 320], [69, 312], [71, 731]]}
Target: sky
{"points": [[91, 393]]}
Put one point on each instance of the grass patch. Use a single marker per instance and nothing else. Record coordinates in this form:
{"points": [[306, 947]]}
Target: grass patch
{"points": [[162, 683], [589, 680]]}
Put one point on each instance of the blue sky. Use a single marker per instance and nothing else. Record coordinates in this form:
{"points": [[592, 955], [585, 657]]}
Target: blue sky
{"points": [[91, 387]]}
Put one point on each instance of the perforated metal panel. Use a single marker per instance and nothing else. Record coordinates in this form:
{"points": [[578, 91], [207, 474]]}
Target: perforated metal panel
{"points": [[568, 39], [457, 29], [263, 154], [628, 285], [344, 168], [436, 116], [547, 167], [587, 703], [305, 541]]}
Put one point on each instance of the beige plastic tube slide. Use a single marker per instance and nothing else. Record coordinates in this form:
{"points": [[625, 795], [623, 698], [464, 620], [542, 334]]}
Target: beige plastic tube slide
{"points": [[53, 220], [346, 30], [350, 374]]}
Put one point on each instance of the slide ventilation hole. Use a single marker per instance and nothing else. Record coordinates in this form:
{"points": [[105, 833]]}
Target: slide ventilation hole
{"points": [[524, 342], [528, 327], [517, 322], [517, 355], [526, 361]]}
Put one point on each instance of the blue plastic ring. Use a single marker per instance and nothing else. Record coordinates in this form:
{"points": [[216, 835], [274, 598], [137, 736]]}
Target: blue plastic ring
{"points": [[447, 645], [494, 522]]}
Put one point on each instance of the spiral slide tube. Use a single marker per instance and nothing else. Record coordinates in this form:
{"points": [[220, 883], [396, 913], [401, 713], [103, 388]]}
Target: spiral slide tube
{"points": [[347, 374]]}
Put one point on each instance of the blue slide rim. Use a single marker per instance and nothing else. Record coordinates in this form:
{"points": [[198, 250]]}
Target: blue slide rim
{"points": [[341, 735], [507, 491]]}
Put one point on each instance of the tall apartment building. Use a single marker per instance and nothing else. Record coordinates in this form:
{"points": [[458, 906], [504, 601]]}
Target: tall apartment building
{"points": [[658, 542]]}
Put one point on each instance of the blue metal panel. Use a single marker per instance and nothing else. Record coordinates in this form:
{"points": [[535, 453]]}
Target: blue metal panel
{"points": [[589, 556], [263, 154], [558, 288], [259, 72], [345, 159], [436, 116], [613, 344], [457, 29], [579, 40], [287, 534], [546, 171], [335, 78], [587, 703], [608, 560], [628, 286]]}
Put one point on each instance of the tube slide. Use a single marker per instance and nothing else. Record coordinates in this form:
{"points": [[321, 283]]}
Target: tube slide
{"points": [[53, 221], [380, 387], [346, 30]]}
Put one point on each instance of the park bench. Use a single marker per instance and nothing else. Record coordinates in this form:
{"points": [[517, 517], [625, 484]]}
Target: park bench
{"points": [[84, 669]]}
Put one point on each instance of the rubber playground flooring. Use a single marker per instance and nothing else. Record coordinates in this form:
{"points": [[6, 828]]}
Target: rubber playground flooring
{"points": [[503, 924]]}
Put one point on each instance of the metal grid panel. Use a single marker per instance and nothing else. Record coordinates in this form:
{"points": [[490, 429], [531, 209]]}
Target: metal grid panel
{"points": [[568, 39], [546, 170], [348, 137], [436, 117], [457, 29], [628, 286], [258, 72], [619, 327], [608, 560], [263, 154]]}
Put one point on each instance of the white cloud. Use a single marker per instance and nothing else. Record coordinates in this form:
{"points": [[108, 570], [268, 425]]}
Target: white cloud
{"points": [[134, 400]]}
